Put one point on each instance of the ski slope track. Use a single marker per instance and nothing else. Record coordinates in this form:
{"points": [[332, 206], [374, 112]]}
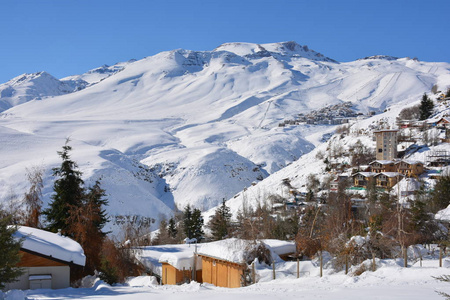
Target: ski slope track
{"points": [[186, 127]]}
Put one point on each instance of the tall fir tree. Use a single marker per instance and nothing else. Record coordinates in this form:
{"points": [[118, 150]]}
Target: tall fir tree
{"points": [[426, 107], [197, 225], [173, 231], [78, 212], [220, 222], [68, 193], [187, 221], [9, 254], [193, 223]]}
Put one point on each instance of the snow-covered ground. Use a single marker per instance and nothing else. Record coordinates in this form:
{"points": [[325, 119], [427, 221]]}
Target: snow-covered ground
{"points": [[389, 281]]}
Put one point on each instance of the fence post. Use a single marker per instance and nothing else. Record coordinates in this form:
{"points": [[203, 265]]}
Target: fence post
{"points": [[298, 267], [405, 256], [346, 264], [440, 256], [253, 272], [321, 263], [374, 266], [194, 269], [273, 268]]}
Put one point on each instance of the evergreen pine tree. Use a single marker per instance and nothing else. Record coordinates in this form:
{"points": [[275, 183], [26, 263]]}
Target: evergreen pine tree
{"points": [[440, 195], [78, 212], [173, 231], [187, 221], [68, 193], [9, 254], [426, 107], [193, 223], [95, 198], [220, 222], [197, 224]]}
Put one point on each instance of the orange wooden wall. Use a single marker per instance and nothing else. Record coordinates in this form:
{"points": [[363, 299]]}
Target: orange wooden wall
{"points": [[221, 273]]}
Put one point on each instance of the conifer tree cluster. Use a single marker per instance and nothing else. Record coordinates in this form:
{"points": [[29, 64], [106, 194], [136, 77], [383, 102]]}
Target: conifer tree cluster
{"points": [[77, 211], [193, 223]]}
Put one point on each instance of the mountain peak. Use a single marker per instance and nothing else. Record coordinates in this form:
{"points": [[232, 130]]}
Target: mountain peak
{"points": [[384, 57], [289, 48], [28, 77]]}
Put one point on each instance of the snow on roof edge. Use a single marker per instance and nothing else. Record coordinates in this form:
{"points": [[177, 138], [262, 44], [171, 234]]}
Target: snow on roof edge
{"points": [[50, 244]]}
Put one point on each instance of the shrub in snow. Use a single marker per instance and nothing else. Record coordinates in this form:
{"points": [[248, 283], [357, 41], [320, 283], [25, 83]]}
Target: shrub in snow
{"points": [[258, 251], [88, 281]]}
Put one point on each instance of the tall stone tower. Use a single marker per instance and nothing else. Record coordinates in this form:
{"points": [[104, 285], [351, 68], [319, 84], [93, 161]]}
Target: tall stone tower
{"points": [[386, 148]]}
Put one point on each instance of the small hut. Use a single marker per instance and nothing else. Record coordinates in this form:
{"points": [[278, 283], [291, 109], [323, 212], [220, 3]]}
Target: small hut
{"points": [[180, 267], [47, 259]]}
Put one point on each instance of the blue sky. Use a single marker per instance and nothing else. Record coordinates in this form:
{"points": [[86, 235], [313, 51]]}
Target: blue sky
{"points": [[66, 37]]}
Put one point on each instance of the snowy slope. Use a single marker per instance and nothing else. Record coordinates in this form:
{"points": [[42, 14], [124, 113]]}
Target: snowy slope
{"points": [[98, 74], [201, 126], [26, 87]]}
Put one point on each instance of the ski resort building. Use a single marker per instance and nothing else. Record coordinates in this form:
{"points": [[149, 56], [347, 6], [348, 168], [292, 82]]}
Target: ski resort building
{"points": [[410, 168], [47, 259], [362, 179], [387, 180], [386, 144], [379, 166]]}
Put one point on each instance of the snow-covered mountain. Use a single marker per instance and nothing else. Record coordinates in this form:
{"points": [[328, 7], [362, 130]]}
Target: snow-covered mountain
{"points": [[35, 86], [194, 127]]}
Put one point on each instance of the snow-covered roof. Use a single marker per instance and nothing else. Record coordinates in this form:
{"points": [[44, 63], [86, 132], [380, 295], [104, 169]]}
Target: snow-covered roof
{"points": [[280, 247], [383, 162], [391, 174], [386, 130], [366, 174], [236, 250], [50, 244], [410, 162], [232, 250], [180, 257]]}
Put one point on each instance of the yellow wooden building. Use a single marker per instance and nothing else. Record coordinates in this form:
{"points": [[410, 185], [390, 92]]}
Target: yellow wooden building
{"points": [[222, 272]]}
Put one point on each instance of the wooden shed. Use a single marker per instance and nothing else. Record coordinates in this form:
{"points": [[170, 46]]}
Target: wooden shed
{"points": [[172, 275], [222, 272], [47, 259], [180, 267]]}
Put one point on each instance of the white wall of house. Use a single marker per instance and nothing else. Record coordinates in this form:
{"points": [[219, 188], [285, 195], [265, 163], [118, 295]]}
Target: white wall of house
{"points": [[60, 278]]}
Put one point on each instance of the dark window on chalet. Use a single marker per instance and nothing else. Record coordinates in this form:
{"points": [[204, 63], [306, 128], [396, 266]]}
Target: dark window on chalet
{"points": [[380, 150]]}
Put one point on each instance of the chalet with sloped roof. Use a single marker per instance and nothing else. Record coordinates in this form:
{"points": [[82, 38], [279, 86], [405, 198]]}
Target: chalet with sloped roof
{"points": [[48, 259]]}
